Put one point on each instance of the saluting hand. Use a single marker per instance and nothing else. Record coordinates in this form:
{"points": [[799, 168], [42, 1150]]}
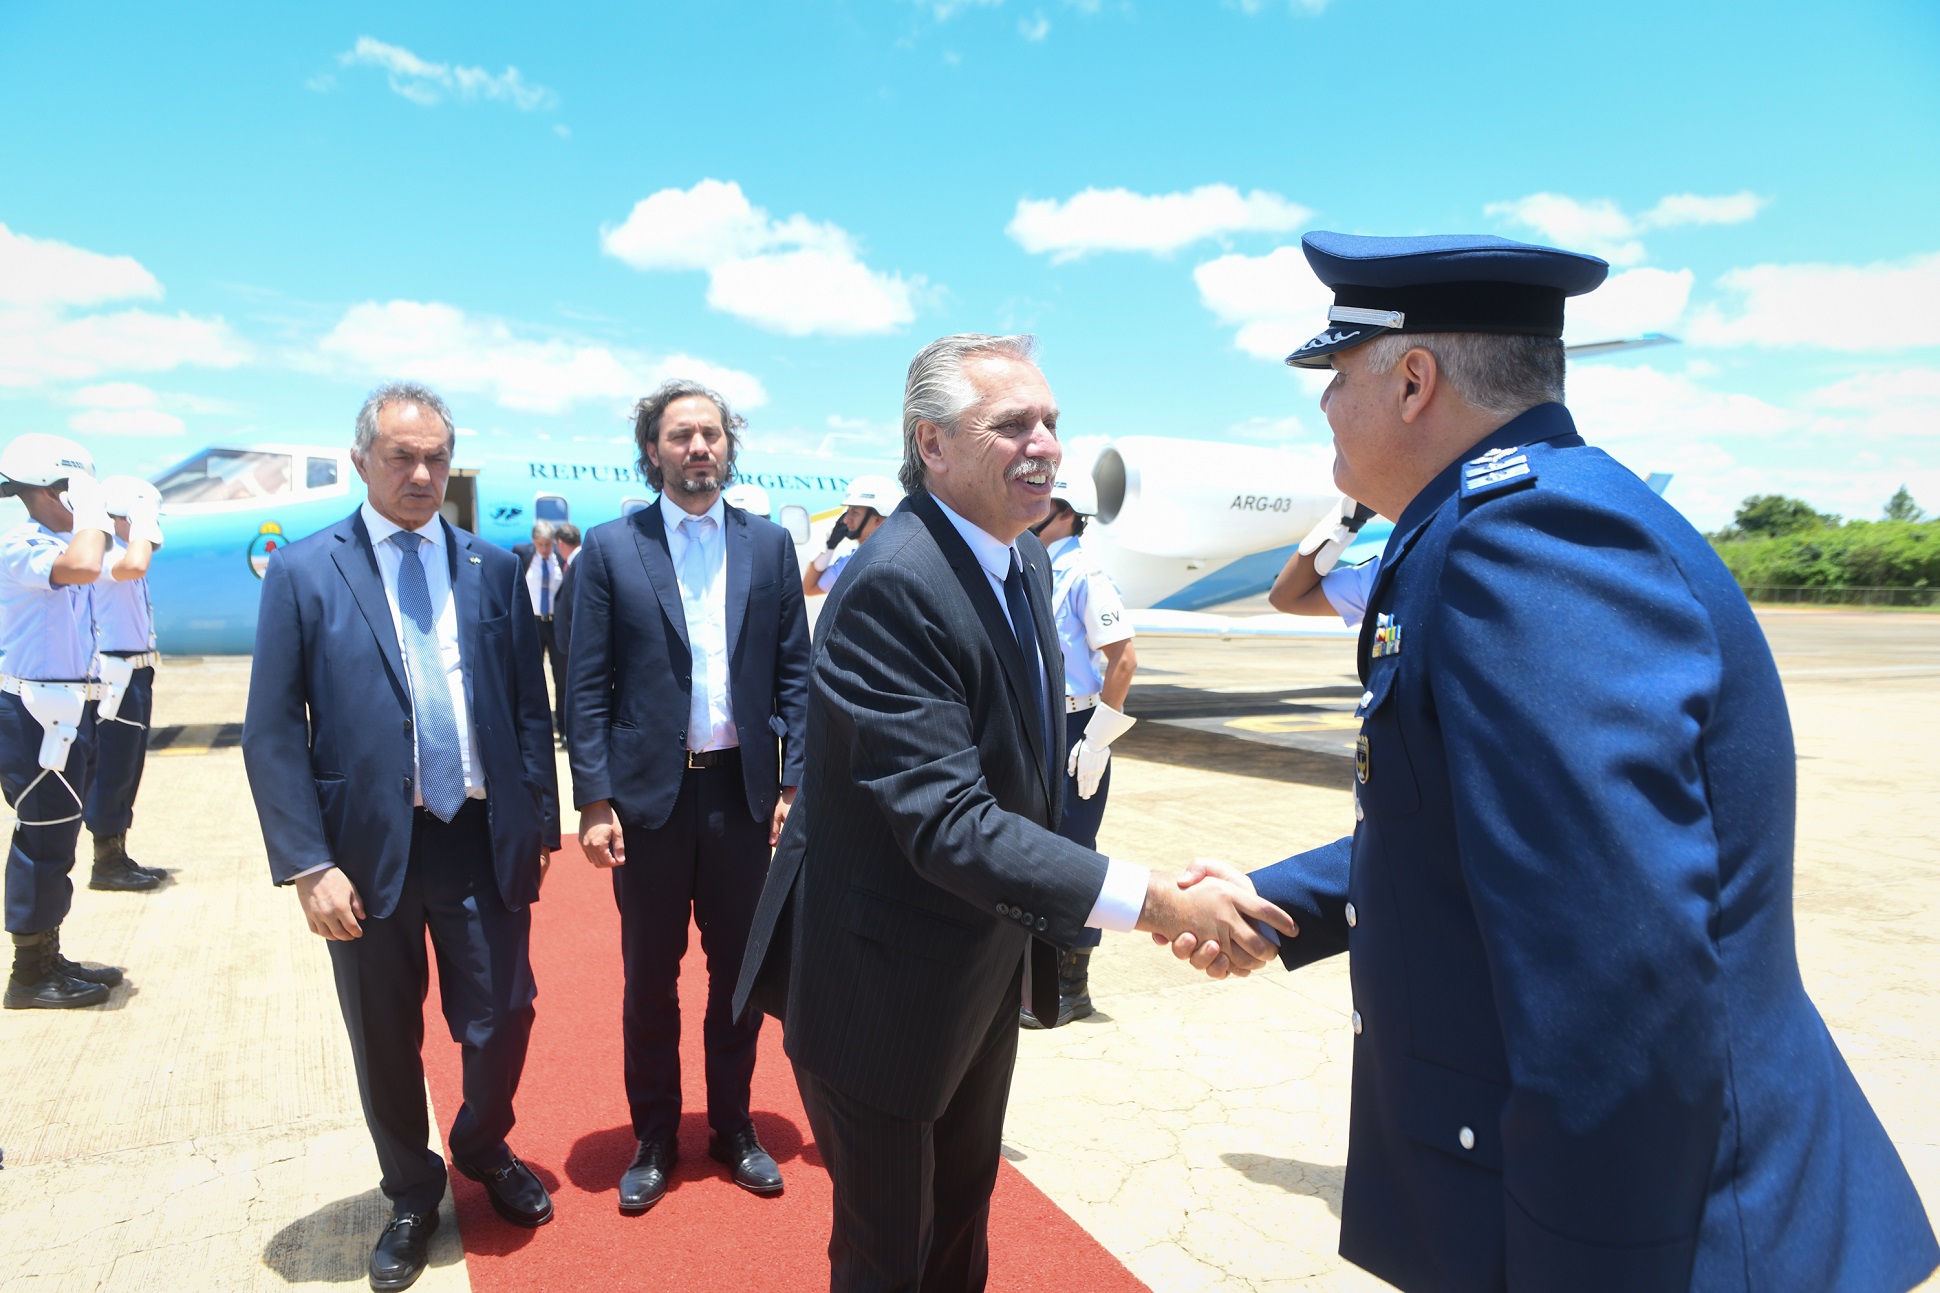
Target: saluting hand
{"points": [[600, 835], [331, 905]]}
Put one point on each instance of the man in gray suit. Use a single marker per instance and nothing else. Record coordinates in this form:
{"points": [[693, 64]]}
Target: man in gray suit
{"points": [[921, 870]]}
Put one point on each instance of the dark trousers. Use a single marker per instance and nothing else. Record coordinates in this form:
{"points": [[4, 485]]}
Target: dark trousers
{"points": [[1083, 817], [120, 754], [556, 660], [41, 853], [485, 980], [912, 1199], [710, 857]]}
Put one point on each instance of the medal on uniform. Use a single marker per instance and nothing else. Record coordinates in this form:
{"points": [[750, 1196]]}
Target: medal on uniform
{"points": [[1360, 762], [1387, 636]]}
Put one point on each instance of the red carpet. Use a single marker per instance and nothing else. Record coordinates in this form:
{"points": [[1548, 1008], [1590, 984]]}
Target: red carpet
{"points": [[705, 1234]]}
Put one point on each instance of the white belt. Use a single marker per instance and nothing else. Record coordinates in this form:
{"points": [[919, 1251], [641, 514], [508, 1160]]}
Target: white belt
{"points": [[85, 690], [146, 660], [1079, 704]]}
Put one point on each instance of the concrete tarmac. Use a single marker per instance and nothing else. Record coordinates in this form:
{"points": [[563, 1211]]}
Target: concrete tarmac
{"points": [[202, 1130]]}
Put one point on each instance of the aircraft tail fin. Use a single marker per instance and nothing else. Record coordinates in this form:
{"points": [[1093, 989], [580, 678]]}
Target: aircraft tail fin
{"points": [[1658, 481]]}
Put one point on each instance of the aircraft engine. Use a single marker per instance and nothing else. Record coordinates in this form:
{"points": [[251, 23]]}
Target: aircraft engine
{"points": [[1192, 498]]}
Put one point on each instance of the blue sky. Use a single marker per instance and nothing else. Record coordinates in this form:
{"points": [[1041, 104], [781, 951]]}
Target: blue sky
{"points": [[225, 222]]}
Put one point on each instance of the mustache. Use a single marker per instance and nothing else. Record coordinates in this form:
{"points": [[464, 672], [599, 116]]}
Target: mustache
{"points": [[1033, 466]]}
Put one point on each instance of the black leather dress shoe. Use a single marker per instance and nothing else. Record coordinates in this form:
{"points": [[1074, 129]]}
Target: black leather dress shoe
{"points": [[517, 1195], [754, 1169], [645, 1180], [401, 1251]]}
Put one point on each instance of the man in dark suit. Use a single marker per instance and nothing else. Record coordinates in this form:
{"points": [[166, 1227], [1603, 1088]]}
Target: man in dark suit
{"points": [[689, 669], [399, 753], [565, 541], [1583, 1055], [542, 568], [921, 869]]}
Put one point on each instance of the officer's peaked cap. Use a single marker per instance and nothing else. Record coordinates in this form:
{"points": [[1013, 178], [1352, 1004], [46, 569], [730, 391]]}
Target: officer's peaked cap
{"points": [[1440, 283]]}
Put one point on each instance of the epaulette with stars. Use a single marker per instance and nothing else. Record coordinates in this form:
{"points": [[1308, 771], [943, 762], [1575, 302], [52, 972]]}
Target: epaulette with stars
{"points": [[1497, 471]]}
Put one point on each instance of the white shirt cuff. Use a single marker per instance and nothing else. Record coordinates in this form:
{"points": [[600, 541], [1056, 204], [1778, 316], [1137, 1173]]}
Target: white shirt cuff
{"points": [[1121, 899], [321, 866]]}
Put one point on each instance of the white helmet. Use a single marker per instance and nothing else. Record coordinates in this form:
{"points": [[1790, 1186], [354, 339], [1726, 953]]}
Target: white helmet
{"points": [[121, 493], [879, 492], [41, 459], [1077, 491], [749, 497]]}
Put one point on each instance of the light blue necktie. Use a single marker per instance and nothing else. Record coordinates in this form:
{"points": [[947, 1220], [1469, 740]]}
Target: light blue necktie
{"points": [[545, 586], [693, 595], [441, 777]]}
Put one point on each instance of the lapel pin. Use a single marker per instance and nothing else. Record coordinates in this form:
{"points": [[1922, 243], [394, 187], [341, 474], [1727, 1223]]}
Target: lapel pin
{"points": [[476, 560]]}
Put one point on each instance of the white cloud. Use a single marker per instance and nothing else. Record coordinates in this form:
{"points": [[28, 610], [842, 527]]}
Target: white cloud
{"points": [[425, 82], [794, 276], [1034, 28], [1628, 303], [475, 354], [1299, 6], [40, 346], [115, 395], [1830, 307], [1120, 220], [42, 272], [1602, 228], [1274, 300], [125, 422], [1887, 405]]}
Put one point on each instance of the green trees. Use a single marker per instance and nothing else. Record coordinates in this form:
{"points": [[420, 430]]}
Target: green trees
{"points": [[1776, 541]]}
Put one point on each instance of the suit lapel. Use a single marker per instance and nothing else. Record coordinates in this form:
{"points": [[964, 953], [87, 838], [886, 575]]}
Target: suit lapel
{"points": [[650, 534], [357, 560], [976, 585], [467, 583], [739, 547]]}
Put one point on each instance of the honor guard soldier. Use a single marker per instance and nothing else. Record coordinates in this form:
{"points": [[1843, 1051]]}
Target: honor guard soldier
{"points": [[869, 499], [1312, 584], [1099, 661], [1583, 1055], [125, 660], [47, 705]]}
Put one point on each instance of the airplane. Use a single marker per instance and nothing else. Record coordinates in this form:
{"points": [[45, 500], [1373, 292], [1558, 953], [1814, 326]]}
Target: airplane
{"points": [[1175, 543]]}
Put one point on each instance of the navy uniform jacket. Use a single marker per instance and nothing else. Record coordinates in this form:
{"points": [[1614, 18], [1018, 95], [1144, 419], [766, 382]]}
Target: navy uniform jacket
{"points": [[1584, 1056], [630, 678], [327, 737]]}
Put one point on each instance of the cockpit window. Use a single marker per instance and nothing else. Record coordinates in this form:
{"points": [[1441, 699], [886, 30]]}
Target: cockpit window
{"points": [[319, 473], [226, 476]]}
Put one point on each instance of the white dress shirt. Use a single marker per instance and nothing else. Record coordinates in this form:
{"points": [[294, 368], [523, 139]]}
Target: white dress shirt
{"points": [[1121, 900], [437, 577], [698, 546], [547, 573]]}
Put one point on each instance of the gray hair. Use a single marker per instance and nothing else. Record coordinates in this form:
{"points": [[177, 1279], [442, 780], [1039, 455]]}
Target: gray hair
{"points": [[646, 425], [542, 530], [1501, 375], [400, 393], [938, 390]]}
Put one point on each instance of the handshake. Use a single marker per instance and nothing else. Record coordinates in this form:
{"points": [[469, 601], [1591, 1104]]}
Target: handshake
{"points": [[1209, 915]]}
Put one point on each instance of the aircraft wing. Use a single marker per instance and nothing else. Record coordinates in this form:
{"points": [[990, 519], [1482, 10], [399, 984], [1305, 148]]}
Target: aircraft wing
{"points": [[1202, 624], [1587, 349]]}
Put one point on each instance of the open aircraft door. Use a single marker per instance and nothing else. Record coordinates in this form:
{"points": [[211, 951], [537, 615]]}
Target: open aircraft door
{"points": [[461, 498]]}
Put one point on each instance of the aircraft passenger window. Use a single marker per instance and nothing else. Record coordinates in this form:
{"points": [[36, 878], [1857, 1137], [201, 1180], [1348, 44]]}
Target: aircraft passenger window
{"points": [[227, 476], [794, 519], [551, 507], [628, 506], [320, 473]]}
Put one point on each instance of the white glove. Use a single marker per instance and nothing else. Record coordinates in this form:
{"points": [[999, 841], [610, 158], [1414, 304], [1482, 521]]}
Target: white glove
{"points": [[1335, 534], [145, 522], [1092, 754], [85, 500], [823, 558]]}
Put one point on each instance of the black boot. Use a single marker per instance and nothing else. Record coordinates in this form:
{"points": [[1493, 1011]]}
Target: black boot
{"points": [[107, 975], [37, 982], [1074, 989], [115, 870]]}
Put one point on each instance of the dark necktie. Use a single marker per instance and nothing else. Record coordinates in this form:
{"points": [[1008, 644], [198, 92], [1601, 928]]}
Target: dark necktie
{"points": [[1018, 603], [545, 587]]}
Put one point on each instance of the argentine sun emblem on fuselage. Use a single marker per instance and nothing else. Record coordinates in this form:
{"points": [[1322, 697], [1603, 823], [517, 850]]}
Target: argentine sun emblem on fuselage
{"points": [[267, 540]]}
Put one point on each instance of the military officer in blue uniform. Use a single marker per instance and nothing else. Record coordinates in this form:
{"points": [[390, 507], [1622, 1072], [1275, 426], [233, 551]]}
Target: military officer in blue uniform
{"points": [[1583, 1056], [47, 704], [125, 660]]}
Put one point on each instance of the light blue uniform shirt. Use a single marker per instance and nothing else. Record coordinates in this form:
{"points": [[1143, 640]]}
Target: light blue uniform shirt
{"points": [[1346, 589], [124, 620], [46, 632], [1089, 612]]}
